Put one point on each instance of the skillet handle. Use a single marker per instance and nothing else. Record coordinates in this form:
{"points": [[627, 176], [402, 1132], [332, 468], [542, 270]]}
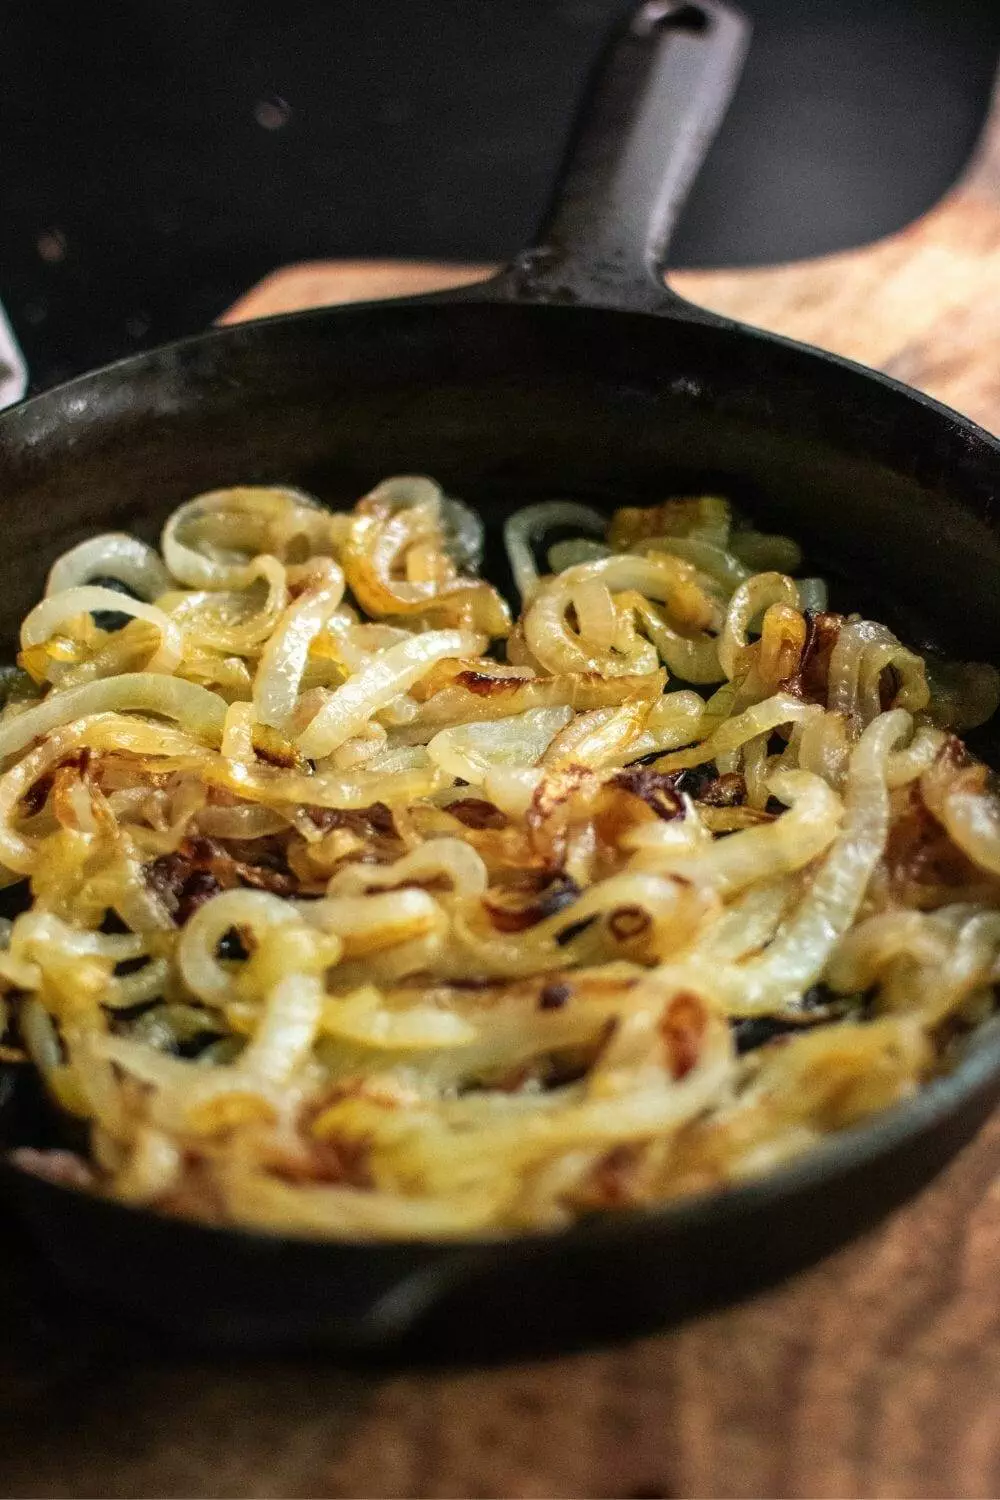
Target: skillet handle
{"points": [[657, 99]]}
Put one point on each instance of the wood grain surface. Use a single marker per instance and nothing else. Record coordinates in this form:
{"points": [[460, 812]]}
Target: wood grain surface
{"points": [[875, 1374]]}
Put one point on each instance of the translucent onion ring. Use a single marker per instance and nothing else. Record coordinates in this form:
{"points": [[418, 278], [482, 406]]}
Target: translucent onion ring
{"points": [[526, 527], [283, 660], [197, 710], [41, 624], [259, 507], [115, 554], [386, 675]]}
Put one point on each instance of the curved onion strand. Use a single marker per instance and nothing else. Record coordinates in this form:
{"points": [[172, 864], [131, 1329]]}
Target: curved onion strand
{"points": [[526, 528], [57, 608], [115, 554], [283, 660], [196, 709], [388, 674]]}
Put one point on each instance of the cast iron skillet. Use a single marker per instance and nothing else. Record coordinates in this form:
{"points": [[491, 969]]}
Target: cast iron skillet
{"points": [[573, 373]]}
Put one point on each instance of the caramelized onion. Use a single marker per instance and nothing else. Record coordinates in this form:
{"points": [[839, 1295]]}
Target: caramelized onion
{"points": [[338, 925]]}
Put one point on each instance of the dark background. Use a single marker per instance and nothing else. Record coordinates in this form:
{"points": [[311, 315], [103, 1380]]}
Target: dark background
{"points": [[162, 155]]}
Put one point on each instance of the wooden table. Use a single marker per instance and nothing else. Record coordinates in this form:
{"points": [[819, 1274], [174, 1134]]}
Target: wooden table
{"points": [[875, 1374]]}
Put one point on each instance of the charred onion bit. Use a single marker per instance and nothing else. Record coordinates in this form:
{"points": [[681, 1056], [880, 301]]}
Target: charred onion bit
{"points": [[658, 789], [476, 812], [812, 680], [553, 996], [729, 790], [518, 907], [682, 1027], [203, 867]]}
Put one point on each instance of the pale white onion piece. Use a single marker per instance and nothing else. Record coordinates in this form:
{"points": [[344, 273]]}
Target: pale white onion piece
{"points": [[399, 712], [866, 951], [380, 680], [599, 737], [356, 643], [578, 549], [237, 733], [361, 1017], [284, 1038], [248, 820], [675, 911], [526, 527], [201, 969], [218, 620], [762, 552], [366, 924], [186, 1091], [714, 561], [360, 789], [396, 759], [511, 788], [674, 720], [799, 953], [757, 766], [732, 734], [397, 529], [135, 989], [824, 747], [254, 510], [364, 748], [16, 852], [596, 618], [457, 704], [40, 1037], [792, 841], [863, 651], [749, 921], [665, 842], [972, 818], [560, 649], [907, 764], [471, 750], [200, 712], [970, 964], [44, 931], [616, 1111], [750, 600], [114, 554], [464, 533], [695, 658], [152, 1167], [279, 674], [400, 960]]}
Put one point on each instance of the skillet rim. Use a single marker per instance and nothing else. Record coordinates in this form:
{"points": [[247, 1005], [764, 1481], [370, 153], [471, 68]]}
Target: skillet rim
{"points": [[841, 1152], [492, 293]]}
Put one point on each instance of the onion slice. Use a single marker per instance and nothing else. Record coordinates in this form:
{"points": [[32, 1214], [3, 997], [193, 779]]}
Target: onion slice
{"points": [[197, 710], [113, 555], [40, 625], [283, 661], [383, 678], [525, 528]]}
